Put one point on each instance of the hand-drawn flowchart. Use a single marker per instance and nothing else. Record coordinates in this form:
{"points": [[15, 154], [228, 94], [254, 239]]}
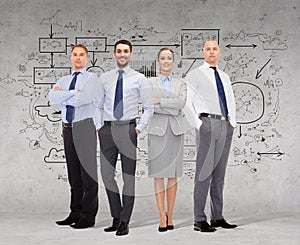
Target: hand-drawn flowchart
{"points": [[250, 59]]}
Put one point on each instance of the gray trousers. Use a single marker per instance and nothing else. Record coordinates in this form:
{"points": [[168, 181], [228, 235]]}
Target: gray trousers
{"points": [[117, 139], [213, 146]]}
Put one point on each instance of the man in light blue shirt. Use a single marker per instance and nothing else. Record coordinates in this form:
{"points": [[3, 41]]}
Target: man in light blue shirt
{"points": [[121, 90], [77, 94]]}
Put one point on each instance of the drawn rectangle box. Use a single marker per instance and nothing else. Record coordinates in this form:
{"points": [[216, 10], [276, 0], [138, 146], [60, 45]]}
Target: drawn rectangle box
{"points": [[48, 75], [53, 45], [192, 41], [93, 44]]}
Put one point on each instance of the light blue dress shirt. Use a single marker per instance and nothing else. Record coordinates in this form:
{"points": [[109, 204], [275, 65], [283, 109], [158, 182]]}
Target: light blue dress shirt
{"points": [[166, 83], [83, 101], [135, 90]]}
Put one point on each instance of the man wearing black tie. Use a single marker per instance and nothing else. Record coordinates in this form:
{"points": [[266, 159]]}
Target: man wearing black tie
{"points": [[211, 101], [121, 90], [76, 93]]}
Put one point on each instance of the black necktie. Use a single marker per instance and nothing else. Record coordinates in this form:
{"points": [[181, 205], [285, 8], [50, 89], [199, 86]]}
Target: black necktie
{"points": [[70, 109], [118, 104], [222, 96]]}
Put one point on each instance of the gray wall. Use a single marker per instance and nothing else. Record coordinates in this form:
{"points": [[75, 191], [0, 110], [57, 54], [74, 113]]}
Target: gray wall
{"points": [[259, 40]]}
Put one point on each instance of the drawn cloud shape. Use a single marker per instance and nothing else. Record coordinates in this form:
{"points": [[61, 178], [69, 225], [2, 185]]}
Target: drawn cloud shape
{"points": [[55, 156], [48, 111]]}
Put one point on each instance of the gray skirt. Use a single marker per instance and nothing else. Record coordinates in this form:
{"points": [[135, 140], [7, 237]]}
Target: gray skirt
{"points": [[165, 155]]}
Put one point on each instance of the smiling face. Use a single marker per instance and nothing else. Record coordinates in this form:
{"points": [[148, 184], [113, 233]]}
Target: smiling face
{"points": [[79, 58], [211, 52], [165, 61], [122, 55]]}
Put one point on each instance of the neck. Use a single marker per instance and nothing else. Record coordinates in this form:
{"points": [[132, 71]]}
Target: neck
{"points": [[166, 74]]}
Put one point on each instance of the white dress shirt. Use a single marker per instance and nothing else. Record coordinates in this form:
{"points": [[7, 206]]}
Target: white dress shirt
{"points": [[135, 90], [203, 94]]}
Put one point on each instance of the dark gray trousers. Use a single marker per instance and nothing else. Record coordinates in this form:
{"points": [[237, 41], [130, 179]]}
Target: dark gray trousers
{"points": [[213, 146], [115, 139]]}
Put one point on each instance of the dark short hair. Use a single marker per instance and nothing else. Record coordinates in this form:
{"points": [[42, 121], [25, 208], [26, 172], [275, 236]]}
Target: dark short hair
{"points": [[165, 49], [123, 41], [80, 46]]}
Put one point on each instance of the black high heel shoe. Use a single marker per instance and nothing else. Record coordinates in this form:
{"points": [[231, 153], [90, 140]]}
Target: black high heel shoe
{"points": [[164, 229], [169, 227]]}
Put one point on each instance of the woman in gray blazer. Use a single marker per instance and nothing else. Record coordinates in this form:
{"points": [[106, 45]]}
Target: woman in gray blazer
{"points": [[166, 136]]}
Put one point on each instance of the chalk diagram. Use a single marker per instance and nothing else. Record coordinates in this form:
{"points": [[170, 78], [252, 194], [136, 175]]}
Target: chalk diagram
{"points": [[256, 86]]}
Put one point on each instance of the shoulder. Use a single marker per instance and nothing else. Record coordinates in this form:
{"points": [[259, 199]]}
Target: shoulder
{"points": [[178, 80], [107, 74], [91, 75]]}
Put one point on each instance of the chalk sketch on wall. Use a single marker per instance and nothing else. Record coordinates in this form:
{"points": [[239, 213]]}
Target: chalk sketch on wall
{"points": [[251, 60]]}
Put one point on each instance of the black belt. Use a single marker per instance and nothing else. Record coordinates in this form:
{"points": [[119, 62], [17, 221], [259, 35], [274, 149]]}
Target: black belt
{"points": [[67, 125], [70, 125], [214, 116], [113, 123]]}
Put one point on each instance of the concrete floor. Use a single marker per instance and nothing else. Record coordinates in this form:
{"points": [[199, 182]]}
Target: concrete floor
{"points": [[41, 229]]}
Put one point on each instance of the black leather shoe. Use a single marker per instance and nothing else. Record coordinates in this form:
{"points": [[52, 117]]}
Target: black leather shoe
{"points": [[222, 223], [83, 224], [114, 226], [203, 226], [123, 229], [68, 221]]}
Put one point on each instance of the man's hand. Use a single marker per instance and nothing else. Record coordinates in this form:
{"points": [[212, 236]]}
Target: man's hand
{"points": [[137, 132], [57, 88]]}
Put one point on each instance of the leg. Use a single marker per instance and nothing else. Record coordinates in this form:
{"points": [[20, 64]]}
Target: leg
{"points": [[204, 167], [159, 189], [74, 175], [171, 196], [217, 185], [85, 141], [128, 161], [108, 160]]}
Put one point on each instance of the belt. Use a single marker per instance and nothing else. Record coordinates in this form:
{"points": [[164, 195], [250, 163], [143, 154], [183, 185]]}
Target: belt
{"points": [[71, 125], [214, 116], [67, 125], [114, 123]]}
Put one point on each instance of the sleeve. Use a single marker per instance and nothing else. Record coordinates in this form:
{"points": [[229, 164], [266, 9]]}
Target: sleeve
{"points": [[146, 99], [190, 111], [172, 106], [60, 97], [100, 105], [88, 93]]}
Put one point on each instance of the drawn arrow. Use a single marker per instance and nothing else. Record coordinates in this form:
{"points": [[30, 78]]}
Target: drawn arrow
{"points": [[258, 75], [93, 61], [51, 33], [240, 132], [241, 46], [184, 74], [270, 153], [51, 65]]}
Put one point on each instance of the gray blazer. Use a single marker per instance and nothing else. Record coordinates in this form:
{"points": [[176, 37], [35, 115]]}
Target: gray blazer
{"points": [[169, 109]]}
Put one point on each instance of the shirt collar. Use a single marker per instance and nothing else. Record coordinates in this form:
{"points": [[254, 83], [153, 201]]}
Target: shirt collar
{"points": [[207, 66], [126, 69], [165, 79], [83, 70]]}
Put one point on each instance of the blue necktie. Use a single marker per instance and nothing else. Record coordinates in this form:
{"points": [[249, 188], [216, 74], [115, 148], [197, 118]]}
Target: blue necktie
{"points": [[222, 96], [70, 109], [118, 104]]}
